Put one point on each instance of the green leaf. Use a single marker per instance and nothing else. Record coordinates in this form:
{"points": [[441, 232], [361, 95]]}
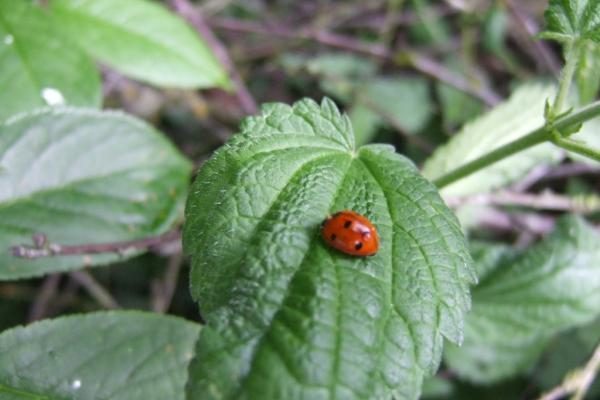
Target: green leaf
{"points": [[568, 352], [84, 176], [457, 106], [289, 317], [514, 118], [573, 19], [109, 355], [365, 123], [526, 300], [587, 75], [38, 67], [142, 40], [405, 100]]}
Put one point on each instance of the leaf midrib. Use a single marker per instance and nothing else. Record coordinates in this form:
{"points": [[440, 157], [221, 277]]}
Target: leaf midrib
{"points": [[30, 196]]}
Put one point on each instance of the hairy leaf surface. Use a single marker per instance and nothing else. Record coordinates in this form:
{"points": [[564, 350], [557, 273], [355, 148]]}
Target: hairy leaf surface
{"points": [[573, 19], [289, 317]]}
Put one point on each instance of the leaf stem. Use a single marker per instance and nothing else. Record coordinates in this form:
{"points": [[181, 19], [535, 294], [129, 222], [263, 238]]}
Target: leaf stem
{"points": [[537, 136], [572, 51]]}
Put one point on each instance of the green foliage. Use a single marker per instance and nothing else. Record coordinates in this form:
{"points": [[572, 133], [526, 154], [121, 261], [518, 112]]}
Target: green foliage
{"points": [[403, 100], [587, 75], [140, 39], [109, 355], [457, 106], [566, 353], [567, 20], [525, 300], [83, 176], [39, 67], [511, 120], [289, 317]]}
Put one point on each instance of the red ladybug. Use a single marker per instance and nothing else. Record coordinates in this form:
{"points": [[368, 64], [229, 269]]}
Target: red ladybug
{"points": [[350, 233]]}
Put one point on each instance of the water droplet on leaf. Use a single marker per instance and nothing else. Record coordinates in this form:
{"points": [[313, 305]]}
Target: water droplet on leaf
{"points": [[52, 97]]}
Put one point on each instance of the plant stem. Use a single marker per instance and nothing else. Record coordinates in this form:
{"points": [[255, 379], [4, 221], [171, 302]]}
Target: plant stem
{"points": [[572, 51], [537, 136], [578, 147]]}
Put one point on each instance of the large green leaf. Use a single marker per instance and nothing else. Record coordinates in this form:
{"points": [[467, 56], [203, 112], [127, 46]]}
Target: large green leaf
{"points": [[525, 300], [142, 40], [38, 66], [83, 176], [516, 117], [289, 317], [573, 19], [108, 355]]}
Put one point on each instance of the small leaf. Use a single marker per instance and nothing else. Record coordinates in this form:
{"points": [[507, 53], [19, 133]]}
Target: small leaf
{"points": [[84, 176], [509, 121], [142, 40], [573, 19], [38, 66], [457, 106], [405, 100], [109, 355], [289, 317], [524, 301]]}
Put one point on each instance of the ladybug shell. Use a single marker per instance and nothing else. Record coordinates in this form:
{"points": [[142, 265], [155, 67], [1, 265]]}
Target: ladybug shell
{"points": [[350, 233]]}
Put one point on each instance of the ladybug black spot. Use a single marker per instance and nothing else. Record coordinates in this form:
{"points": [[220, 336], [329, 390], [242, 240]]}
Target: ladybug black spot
{"points": [[358, 246], [347, 224], [333, 237]]}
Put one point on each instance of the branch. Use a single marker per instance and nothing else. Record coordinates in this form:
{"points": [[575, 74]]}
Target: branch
{"points": [[577, 382], [42, 248], [164, 290], [47, 291], [421, 64], [95, 290], [193, 16], [543, 201], [540, 135]]}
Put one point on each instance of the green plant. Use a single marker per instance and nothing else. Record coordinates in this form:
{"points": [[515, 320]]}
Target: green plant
{"points": [[284, 316]]}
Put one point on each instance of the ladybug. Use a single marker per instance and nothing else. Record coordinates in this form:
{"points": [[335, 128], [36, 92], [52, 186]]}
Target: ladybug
{"points": [[350, 233]]}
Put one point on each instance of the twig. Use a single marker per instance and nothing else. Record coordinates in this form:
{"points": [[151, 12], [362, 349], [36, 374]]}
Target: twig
{"points": [[510, 222], [45, 294], [543, 201], [420, 63], [163, 291], [568, 170], [577, 382], [193, 16], [41, 247], [95, 290]]}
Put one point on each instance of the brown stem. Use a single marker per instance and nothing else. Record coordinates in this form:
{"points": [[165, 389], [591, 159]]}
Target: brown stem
{"points": [[422, 64], [47, 291], [95, 290], [542, 201], [43, 249], [165, 289], [193, 16]]}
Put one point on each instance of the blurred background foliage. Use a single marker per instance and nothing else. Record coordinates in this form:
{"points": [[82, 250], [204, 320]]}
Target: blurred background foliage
{"points": [[394, 66]]}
